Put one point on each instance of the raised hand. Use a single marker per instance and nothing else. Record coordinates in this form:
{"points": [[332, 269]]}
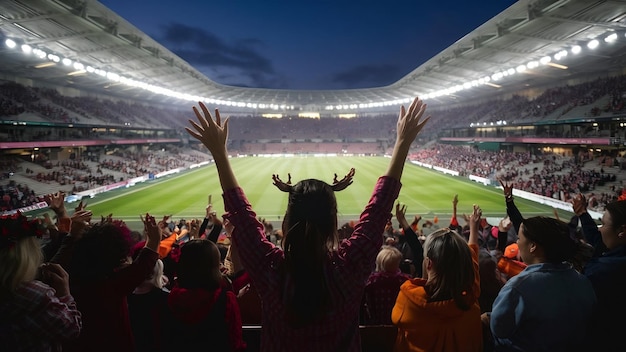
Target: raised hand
{"points": [[409, 124], [474, 217], [505, 225], [57, 278], [401, 215], [152, 231], [416, 220], [163, 223], [209, 213], [212, 133], [507, 189], [80, 220], [474, 224], [280, 184], [579, 203], [345, 182], [81, 206], [56, 202], [106, 219]]}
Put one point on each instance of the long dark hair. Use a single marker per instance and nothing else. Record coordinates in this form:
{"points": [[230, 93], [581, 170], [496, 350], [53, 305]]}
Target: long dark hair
{"points": [[310, 233]]}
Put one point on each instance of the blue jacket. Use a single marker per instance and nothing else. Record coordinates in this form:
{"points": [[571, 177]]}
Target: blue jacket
{"points": [[547, 307]]}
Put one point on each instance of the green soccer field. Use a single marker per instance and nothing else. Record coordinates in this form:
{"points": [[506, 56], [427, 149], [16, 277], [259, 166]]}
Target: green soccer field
{"points": [[425, 192]]}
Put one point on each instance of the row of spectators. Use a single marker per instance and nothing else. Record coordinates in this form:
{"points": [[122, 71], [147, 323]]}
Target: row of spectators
{"points": [[551, 175], [88, 174]]}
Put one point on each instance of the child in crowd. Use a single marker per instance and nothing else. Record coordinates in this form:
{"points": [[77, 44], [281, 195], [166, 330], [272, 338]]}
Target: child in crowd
{"points": [[382, 287]]}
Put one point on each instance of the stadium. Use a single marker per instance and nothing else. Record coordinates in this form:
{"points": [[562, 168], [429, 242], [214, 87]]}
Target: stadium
{"points": [[542, 77], [93, 107]]}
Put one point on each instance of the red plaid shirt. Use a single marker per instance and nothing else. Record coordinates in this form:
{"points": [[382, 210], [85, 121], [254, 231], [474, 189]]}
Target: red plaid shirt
{"points": [[34, 319], [349, 267]]}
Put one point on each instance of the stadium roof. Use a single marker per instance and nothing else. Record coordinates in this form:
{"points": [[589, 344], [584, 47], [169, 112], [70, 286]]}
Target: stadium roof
{"points": [[486, 62]]}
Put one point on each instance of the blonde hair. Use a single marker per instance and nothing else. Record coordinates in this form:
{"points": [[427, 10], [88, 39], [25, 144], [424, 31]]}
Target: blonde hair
{"points": [[19, 263], [388, 259]]}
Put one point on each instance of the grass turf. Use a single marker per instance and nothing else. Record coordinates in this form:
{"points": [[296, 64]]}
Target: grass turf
{"points": [[425, 192]]}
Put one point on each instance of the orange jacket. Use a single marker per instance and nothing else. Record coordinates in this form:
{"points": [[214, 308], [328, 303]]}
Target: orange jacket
{"points": [[437, 326]]}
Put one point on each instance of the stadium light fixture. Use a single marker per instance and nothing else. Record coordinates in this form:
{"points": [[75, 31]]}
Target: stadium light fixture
{"points": [[544, 60], [593, 44], [497, 76], [10, 43], [40, 53], [611, 38]]}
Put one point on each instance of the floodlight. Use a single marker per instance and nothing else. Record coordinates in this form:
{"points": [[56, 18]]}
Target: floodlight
{"points": [[532, 64], [611, 38], [10, 43], [593, 44]]}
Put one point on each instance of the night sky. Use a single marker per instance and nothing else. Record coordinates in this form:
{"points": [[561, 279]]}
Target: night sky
{"points": [[306, 44]]}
